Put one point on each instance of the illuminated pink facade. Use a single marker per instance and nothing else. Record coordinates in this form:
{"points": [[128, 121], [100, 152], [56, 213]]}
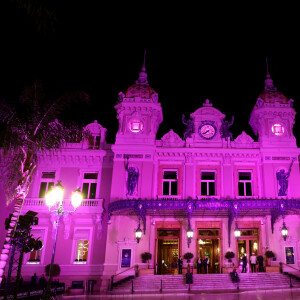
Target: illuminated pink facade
{"points": [[206, 182]]}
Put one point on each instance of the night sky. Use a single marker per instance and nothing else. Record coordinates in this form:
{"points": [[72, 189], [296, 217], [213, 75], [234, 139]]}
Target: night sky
{"points": [[193, 53]]}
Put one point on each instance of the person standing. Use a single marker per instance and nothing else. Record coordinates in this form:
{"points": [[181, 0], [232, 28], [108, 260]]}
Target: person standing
{"points": [[260, 260], [244, 260], [253, 261], [205, 264], [33, 279], [180, 263], [199, 265]]}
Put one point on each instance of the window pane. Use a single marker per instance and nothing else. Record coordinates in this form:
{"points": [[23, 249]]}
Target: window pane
{"points": [[48, 175], [85, 190], [85, 250], [244, 176], [170, 175], [166, 188], [90, 175], [79, 249], [211, 188], [93, 191], [248, 189], [241, 189], [208, 175], [204, 188], [43, 189], [174, 188], [50, 186]]}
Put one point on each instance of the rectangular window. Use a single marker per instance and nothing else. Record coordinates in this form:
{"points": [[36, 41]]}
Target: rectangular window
{"points": [[89, 185], [47, 182], [245, 184], [82, 250], [208, 183], [35, 256], [170, 183]]}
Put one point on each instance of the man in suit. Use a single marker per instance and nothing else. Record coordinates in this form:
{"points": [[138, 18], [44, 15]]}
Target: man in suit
{"points": [[180, 263], [205, 264], [199, 265]]}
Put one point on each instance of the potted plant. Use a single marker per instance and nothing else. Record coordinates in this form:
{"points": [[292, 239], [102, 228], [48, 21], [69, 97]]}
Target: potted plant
{"points": [[229, 255], [55, 270], [146, 256], [269, 255], [188, 256]]}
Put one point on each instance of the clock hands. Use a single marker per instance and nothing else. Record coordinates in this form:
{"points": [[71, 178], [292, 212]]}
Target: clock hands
{"points": [[206, 131]]}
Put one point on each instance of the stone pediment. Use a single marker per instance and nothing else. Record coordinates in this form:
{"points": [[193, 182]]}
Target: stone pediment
{"points": [[244, 139], [94, 128], [172, 139]]}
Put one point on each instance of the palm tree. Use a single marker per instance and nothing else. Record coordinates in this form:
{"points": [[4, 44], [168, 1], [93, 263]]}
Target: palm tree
{"points": [[31, 127]]}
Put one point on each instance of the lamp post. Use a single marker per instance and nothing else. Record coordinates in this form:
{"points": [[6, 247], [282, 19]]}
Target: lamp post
{"points": [[54, 201], [190, 235], [237, 231]]}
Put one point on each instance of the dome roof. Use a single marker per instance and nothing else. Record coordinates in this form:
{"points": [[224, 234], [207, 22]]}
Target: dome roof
{"points": [[270, 94], [140, 90]]}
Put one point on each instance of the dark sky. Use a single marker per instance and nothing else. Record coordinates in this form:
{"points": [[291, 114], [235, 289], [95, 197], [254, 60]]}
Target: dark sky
{"points": [[193, 53]]}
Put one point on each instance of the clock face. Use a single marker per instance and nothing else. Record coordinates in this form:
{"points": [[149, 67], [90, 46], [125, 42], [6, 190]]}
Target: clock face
{"points": [[277, 129], [207, 131], [135, 126]]}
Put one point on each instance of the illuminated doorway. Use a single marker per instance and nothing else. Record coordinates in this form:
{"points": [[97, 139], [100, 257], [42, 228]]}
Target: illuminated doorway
{"points": [[247, 244], [209, 246], [167, 251]]}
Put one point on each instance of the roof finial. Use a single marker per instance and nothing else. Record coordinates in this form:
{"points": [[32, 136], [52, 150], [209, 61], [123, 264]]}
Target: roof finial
{"points": [[143, 75], [269, 86]]}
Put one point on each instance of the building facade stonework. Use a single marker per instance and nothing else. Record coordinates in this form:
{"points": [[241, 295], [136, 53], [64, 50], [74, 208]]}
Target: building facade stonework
{"points": [[206, 182]]}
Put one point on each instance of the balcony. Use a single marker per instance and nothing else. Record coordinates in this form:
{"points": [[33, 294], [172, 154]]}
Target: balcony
{"points": [[87, 205]]}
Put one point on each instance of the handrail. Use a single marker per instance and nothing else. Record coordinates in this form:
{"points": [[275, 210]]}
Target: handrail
{"points": [[113, 276], [281, 263]]}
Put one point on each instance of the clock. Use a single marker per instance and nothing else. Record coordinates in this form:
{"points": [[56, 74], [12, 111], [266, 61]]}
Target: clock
{"points": [[207, 130], [277, 129], [136, 125]]}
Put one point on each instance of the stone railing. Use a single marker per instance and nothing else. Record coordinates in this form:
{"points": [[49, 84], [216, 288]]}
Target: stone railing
{"points": [[40, 202]]}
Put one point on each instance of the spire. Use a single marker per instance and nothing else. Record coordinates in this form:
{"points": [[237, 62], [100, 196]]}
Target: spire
{"points": [[143, 75], [269, 86]]}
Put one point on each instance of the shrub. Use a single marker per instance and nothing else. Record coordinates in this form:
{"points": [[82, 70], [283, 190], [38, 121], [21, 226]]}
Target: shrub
{"points": [[55, 270], [146, 256], [229, 255], [269, 254], [188, 255]]}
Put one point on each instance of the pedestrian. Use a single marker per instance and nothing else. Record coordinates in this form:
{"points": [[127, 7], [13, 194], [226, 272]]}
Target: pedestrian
{"points": [[33, 279], [180, 263], [234, 275], [260, 260], [205, 264], [244, 260], [199, 265], [3, 281], [253, 261], [42, 280]]}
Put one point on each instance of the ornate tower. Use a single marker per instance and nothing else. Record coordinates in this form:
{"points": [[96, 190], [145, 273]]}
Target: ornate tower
{"points": [[273, 117], [139, 113]]}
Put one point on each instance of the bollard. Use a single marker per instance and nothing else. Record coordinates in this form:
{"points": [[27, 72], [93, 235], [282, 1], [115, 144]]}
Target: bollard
{"points": [[132, 287], [161, 285]]}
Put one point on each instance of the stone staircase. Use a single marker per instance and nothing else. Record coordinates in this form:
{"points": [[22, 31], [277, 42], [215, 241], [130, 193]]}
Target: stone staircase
{"points": [[206, 283]]}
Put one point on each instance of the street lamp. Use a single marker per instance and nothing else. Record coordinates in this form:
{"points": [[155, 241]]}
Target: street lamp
{"points": [[237, 231], [54, 201], [190, 235], [138, 233], [284, 231]]}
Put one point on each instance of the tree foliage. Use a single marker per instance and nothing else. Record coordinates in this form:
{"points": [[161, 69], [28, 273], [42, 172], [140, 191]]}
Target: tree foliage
{"points": [[30, 127]]}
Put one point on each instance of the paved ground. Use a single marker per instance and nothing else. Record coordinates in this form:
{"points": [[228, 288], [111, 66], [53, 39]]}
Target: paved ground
{"points": [[286, 294]]}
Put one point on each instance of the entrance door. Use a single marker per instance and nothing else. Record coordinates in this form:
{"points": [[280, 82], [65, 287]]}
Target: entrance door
{"points": [[167, 251], [210, 249], [247, 246]]}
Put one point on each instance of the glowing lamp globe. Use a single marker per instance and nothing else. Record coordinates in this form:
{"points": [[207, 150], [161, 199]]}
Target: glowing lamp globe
{"points": [[138, 234], [237, 233], [190, 233], [284, 231], [76, 199]]}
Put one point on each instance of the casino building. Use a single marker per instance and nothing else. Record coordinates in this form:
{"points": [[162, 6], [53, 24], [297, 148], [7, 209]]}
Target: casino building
{"points": [[180, 194]]}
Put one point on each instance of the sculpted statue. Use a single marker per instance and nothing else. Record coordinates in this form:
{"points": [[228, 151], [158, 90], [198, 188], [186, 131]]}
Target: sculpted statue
{"points": [[282, 178], [132, 178], [224, 129], [189, 127]]}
